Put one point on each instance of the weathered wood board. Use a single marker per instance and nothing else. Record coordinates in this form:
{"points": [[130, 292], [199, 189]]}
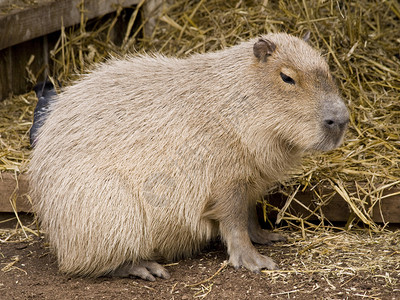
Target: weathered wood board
{"points": [[47, 16], [30, 30], [13, 190], [336, 210]]}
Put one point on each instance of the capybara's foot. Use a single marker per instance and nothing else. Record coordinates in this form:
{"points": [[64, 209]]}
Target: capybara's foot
{"points": [[252, 260], [265, 237], [145, 270]]}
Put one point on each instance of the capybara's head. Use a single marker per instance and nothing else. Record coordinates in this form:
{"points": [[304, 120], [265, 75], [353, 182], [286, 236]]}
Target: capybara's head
{"points": [[302, 95]]}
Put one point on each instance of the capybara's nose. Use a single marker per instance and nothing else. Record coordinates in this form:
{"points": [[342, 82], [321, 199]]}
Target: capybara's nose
{"points": [[337, 123], [335, 115]]}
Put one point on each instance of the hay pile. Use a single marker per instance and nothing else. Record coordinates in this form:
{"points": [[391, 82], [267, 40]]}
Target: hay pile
{"points": [[360, 40], [340, 264]]}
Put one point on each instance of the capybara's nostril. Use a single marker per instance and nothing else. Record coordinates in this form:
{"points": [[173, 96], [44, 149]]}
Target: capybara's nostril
{"points": [[329, 123], [339, 123]]}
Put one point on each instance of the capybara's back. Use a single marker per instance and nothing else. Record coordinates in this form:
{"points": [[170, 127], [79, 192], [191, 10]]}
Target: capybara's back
{"points": [[150, 157]]}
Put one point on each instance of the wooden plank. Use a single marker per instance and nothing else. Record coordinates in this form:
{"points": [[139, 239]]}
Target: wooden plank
{"points": [[12, 187], [48, 16], [13, 61], [336, 211]]}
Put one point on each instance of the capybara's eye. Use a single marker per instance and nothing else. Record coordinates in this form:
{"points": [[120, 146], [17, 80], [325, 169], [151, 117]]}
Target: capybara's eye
{"points": [[287, 79]]}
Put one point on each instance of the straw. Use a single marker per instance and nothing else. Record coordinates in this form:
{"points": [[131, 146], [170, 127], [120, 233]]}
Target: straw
{"points": [[360, 40]]}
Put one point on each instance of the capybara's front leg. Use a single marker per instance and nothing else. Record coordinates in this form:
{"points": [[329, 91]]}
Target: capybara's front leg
{"points": [[233, 222], [146, 270]]}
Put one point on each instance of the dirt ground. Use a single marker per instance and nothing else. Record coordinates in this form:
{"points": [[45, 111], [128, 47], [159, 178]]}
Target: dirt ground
{"points": [[325, 265]]}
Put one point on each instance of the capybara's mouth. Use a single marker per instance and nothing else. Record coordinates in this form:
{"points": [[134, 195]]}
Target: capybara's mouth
{"points": [[331, 138]]}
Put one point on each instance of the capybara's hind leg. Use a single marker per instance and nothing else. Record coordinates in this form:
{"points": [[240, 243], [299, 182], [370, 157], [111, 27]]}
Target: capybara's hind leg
{"points": [[145, 270]]}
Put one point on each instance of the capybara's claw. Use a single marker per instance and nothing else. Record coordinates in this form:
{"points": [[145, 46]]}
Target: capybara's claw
{"points": [[145, 270]]}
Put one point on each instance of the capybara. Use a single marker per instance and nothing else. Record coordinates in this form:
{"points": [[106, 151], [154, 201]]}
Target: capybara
{"points": [[149, 157]]}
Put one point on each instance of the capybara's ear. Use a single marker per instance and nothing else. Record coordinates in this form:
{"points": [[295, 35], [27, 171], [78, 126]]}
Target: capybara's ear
{"points": [[306, 37], [263, 48]]}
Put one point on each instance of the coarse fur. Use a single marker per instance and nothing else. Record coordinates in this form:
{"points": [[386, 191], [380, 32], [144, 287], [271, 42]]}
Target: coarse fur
{"points": [[150, 157]]}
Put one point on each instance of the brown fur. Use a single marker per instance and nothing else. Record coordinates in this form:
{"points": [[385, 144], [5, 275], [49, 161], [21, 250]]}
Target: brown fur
{"points": [[151, 157]]}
